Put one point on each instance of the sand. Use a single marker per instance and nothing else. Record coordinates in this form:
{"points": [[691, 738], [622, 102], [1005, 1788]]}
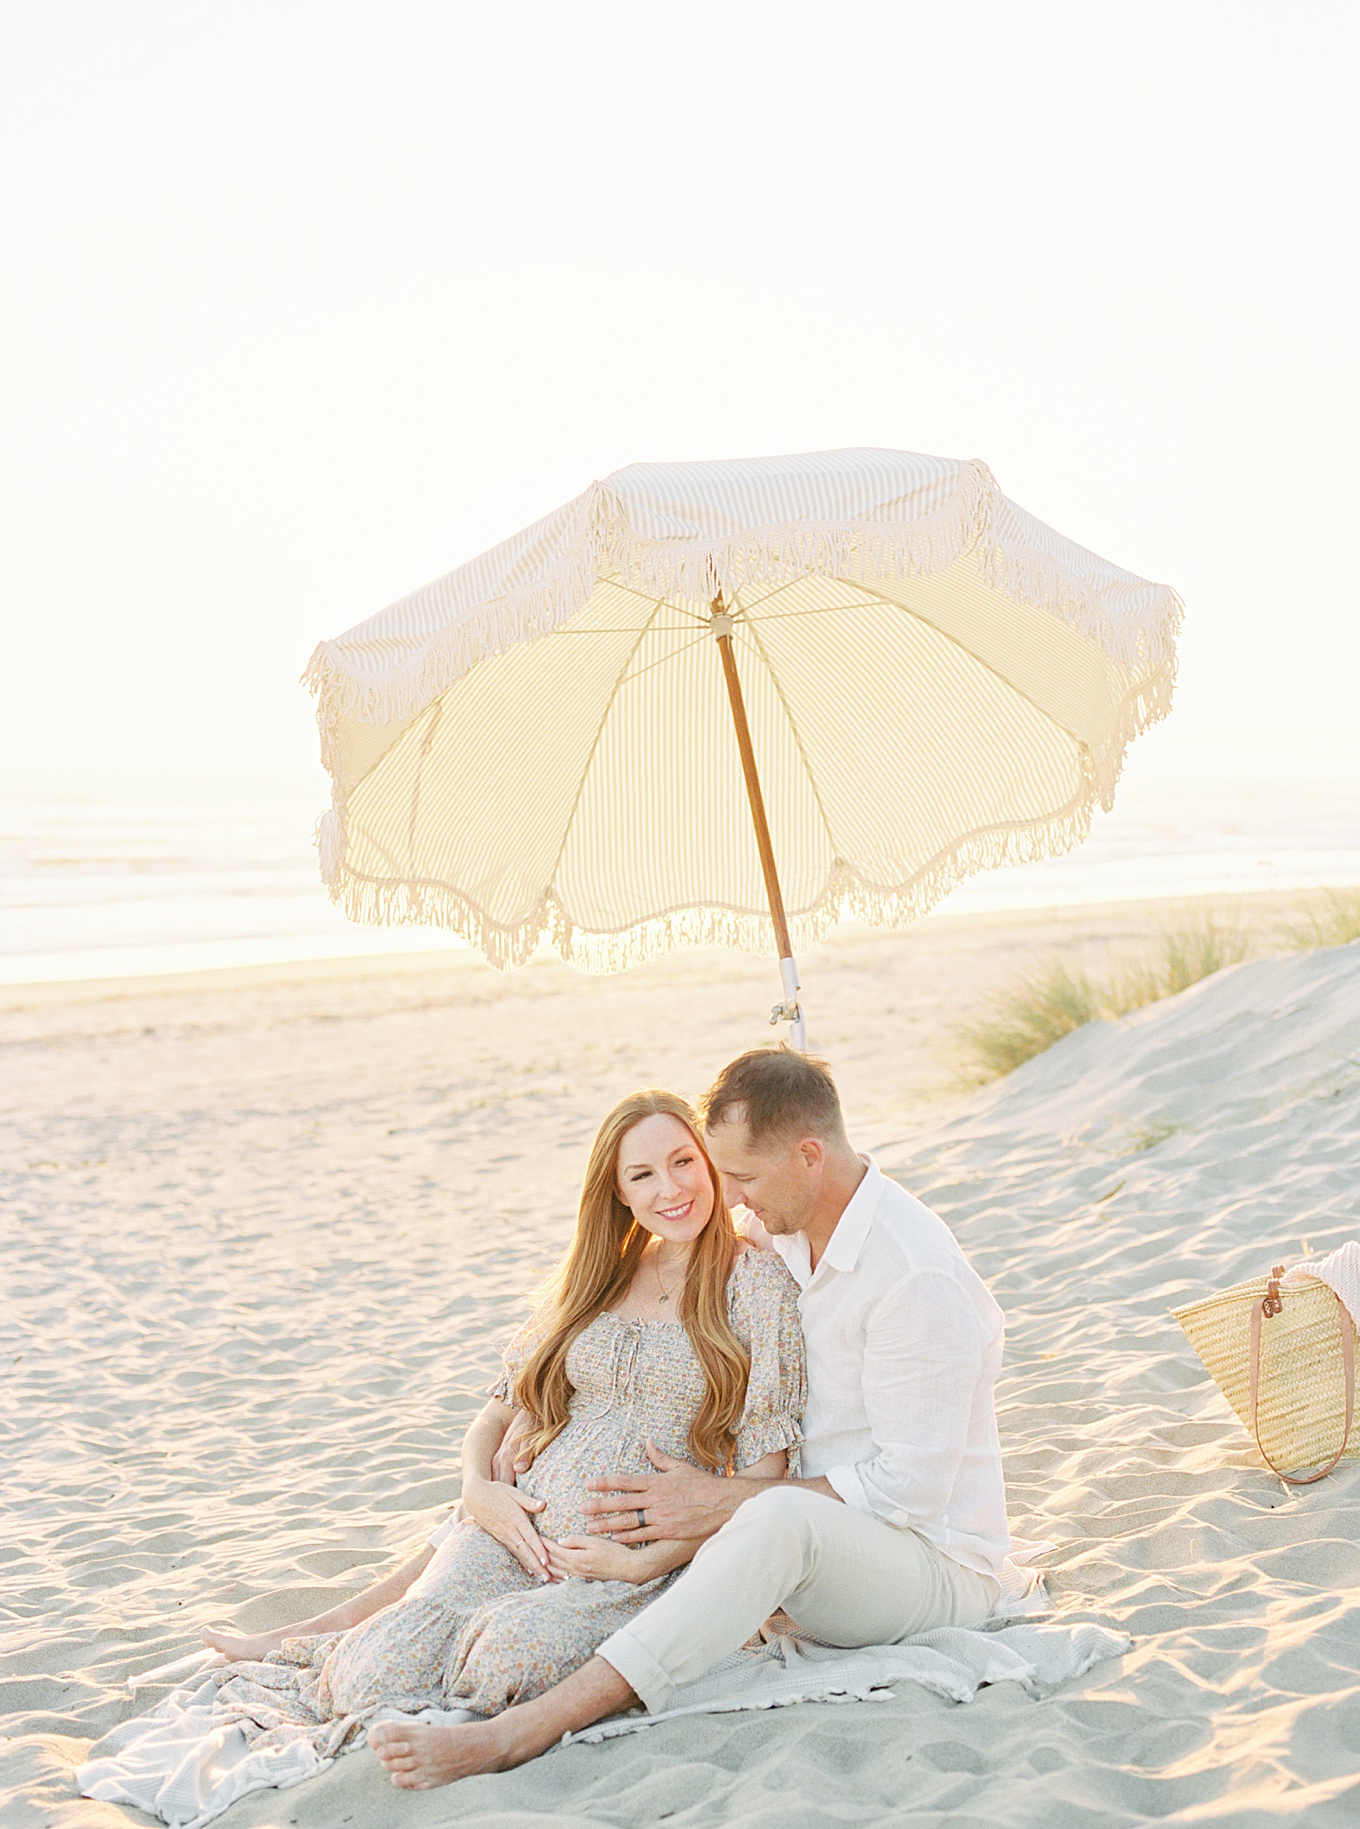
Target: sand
{"points": [[264, 1230]]}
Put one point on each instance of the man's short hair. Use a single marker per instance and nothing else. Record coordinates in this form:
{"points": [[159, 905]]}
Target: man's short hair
{"points": [[778, 1094]]}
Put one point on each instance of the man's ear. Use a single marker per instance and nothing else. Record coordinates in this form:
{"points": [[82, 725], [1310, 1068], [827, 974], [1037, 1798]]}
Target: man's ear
{"points": [[813, 1151]]}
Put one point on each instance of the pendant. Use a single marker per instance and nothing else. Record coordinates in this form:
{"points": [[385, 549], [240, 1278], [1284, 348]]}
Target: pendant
{"points": [[663, 1298]]}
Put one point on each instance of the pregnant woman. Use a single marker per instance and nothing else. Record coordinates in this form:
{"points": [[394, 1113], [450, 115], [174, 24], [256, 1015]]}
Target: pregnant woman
{"points": [[659, 1326]]}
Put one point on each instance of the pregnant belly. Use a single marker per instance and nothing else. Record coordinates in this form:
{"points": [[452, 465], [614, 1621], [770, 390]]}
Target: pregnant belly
{"points": [[588, 1450]]}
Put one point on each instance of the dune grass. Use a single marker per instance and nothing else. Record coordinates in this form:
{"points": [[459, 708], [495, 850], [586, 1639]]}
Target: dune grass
{"points": [[1187, 955], [1056, 999], [1040, 1010], [1336, 923]]}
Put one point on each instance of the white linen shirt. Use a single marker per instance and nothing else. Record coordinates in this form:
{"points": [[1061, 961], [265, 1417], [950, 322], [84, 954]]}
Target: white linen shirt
{"points": [[903, 1351]]}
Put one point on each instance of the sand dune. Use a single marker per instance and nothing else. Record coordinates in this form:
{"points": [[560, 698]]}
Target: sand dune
{"points": [[263, 1235]]}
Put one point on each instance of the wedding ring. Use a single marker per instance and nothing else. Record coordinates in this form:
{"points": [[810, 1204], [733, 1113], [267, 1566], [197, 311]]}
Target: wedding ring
{"points": [[642, 1519]]}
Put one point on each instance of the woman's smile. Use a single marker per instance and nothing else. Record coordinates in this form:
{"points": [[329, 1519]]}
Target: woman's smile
{"points": [[663, 1178]]}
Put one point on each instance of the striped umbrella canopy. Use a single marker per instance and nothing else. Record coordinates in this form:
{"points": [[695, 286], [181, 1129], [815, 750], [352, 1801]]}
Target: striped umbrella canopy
{"points": [[731, 703]]}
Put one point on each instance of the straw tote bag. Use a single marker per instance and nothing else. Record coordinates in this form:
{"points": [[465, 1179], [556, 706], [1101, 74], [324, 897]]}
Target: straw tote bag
{"points": [[1284, 1357]]}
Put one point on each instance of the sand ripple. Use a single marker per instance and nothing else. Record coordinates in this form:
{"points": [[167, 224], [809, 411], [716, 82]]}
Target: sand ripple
{"points": [[235, 1365]]}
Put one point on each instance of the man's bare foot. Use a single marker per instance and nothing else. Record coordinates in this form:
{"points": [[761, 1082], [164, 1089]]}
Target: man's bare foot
{"points": [[421, 1755], [239, 1649]]}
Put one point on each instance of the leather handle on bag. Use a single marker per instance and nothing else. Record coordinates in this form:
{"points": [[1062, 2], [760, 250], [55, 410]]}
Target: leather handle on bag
{"points": [[1272, 1304]]}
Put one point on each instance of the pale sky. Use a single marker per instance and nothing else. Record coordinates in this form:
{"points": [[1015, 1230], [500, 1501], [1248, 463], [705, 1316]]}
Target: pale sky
{"points": [[303, 303]]}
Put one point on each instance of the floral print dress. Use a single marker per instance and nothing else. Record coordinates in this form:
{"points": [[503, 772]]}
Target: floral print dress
{"points": [[477, 1632]]}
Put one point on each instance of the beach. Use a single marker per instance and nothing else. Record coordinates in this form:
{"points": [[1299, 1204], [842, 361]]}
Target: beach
{"points": [[412, 575], [265, 1229]]}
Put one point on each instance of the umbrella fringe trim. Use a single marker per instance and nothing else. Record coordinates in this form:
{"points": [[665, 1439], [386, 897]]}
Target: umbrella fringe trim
{"points": [[373, 902], [1147, 704], [1142, 637], [846, 896], [1139, 642], [696, 570], [330, 845]]}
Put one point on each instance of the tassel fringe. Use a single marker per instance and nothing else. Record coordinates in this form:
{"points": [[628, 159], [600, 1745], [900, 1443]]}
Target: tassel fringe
{"points": [[846, 896], [693, 571], [1142, 639], [330, 846]]}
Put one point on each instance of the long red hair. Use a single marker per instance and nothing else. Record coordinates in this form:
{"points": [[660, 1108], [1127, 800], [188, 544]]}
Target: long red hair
{"points": [[599, 1266]]}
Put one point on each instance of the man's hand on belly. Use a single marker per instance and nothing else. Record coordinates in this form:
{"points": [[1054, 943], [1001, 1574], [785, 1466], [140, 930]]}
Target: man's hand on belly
{"points": [[511, 1459], [678, 1502]]}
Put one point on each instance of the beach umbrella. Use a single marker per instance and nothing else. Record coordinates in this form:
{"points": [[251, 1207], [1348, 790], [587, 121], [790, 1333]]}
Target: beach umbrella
{"points": [[731, 703]]}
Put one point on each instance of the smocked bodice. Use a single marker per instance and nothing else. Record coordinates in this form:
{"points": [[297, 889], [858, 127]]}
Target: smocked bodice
{"points": [[638, 1380]]}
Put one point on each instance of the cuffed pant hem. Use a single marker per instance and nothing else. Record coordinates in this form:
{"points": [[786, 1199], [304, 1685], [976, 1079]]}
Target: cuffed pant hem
{"points": [[639, 1670]]}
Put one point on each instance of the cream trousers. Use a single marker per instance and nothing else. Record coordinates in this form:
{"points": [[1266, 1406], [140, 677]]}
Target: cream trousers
{"points": [[843, 1577]]}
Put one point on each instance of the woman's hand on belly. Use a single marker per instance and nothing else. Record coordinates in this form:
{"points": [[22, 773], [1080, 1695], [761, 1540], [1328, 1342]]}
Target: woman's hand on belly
{"points": [[504, 1513], [597, 1559]]}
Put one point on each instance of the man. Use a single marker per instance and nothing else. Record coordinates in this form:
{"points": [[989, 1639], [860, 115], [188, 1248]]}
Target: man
{"points": [[898, 1521]]}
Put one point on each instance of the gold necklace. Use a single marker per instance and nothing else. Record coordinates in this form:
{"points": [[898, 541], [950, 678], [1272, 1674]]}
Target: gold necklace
{"points": [[666, 1294]]}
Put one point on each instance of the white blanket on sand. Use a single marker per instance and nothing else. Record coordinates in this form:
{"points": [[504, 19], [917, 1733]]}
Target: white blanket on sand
{"points": [[952, 1662], [173, 1763]]}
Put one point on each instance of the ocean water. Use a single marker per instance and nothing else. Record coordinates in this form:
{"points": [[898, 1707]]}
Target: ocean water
{"points": [[153, 874]]}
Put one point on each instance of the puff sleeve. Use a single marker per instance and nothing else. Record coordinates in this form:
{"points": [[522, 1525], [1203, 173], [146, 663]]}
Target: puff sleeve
{"points": [[521, 1343], [763, 1307]]}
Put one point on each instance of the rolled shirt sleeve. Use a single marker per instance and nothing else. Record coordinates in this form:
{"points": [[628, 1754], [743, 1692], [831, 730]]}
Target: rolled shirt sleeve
{"points": [[922, 1363]]}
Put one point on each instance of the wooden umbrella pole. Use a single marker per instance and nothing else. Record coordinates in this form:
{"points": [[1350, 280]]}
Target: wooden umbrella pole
{"points": [[789, 1010]]}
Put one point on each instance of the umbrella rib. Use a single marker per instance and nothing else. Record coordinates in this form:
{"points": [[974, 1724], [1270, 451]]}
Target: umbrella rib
{"points": [[825, 609], [986, 666], [657, 603], [695, 641], [797, 738], [746, 607], [788, 584], [426, 744], [617, 687], [867, 599]]}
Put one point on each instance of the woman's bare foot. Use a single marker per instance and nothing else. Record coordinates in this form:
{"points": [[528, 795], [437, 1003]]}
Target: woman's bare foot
{"points": [[237, 1648], [421, 1755]]}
